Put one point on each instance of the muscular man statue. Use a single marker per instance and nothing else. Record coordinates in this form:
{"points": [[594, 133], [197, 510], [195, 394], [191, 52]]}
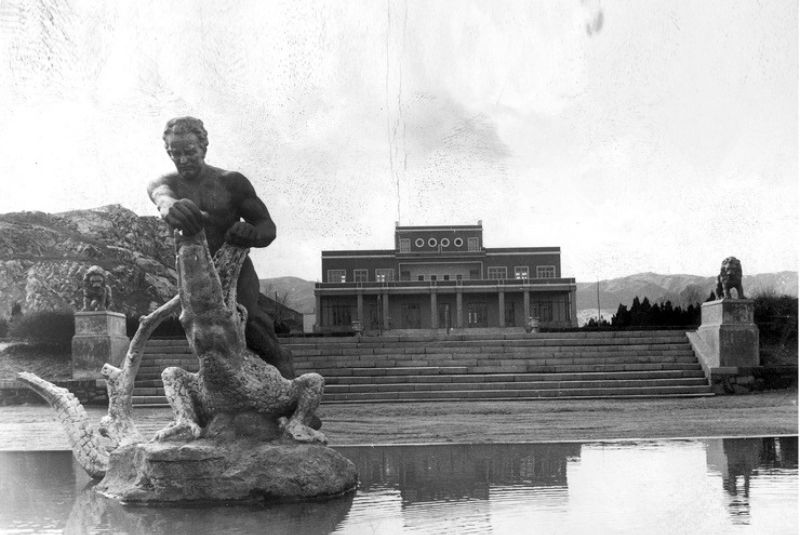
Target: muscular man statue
{"points": [[225, 204]]}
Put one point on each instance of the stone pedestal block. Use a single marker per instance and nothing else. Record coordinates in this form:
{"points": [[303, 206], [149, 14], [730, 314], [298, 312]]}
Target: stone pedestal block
{"points": [[728, 331], [99, 338]]}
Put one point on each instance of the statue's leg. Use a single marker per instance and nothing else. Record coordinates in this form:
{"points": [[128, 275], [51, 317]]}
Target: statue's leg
{"points": [[260, 329], [308, 388], [181, 389]]}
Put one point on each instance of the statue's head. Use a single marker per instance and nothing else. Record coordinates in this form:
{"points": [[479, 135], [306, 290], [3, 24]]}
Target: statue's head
{"points": [[94, 278], [186, 141], [731, 270]]}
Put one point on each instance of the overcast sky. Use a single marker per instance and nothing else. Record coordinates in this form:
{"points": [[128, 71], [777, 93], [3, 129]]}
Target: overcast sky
{"points": [[637, 136]]}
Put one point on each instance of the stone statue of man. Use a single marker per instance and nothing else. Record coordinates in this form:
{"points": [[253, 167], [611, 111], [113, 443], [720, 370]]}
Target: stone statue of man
{"points": [[223, 203]]}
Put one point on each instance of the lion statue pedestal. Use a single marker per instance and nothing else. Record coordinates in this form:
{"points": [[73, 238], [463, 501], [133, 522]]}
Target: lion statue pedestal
{"points": [[100, 337]]}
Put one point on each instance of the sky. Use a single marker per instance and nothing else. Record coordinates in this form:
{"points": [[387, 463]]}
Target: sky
{"points": [[637, 136]]}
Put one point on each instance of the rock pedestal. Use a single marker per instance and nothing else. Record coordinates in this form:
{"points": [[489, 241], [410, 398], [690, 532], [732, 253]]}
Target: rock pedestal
{"points": [[100, 337], [727, 328], [239, 471]]}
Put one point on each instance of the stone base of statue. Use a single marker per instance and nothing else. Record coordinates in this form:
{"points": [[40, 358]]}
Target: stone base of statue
{"points": [[245, 470], [728, 330], [100, 337], [726, 344]]}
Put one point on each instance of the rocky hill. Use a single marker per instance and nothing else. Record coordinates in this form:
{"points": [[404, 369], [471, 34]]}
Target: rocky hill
{"points": [[43, 258]]}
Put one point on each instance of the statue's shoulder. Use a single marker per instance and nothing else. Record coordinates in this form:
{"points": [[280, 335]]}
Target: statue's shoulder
{"points": [[235, 181]]}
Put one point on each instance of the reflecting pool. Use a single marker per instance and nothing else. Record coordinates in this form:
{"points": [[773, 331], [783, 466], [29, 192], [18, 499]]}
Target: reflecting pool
{"points": [[665, 486]]}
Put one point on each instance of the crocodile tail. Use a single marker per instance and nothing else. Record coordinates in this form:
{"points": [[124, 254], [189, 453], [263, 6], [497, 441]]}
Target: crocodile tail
{"points": [[86, 442]]}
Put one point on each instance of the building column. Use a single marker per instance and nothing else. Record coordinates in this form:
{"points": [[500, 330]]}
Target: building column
{"points": [[501, 304], [459, 309], [386, 311], [360, 307], [318, 309], [526, 305], [434, 310], [573, 308]]}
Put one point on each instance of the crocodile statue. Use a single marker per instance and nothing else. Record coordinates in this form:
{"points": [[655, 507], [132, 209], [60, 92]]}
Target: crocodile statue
{"points": [[232, 386]]}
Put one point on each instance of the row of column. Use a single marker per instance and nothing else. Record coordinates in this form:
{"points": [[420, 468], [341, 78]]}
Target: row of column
{"points": [[526, 308]]}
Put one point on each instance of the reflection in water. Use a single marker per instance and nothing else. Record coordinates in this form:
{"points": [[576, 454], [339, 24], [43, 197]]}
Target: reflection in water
{"points": [[716, 485], [94, 511], [458, 472], [737, 460]]}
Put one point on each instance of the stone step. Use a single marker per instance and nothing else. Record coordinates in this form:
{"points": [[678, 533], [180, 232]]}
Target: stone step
{"points": [[538, 340], [488, 378], [400, 352], [321, 363], [146, 372], [486, 395], [574, 365], [333, 389], [554, 342], [513, 385], [510, 395], [483, 361]]}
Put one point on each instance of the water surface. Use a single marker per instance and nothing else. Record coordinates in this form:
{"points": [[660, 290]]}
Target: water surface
{"points": [[688, 486]]}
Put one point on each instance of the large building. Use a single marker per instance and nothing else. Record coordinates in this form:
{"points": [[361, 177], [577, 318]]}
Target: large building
{"points": [[440, 277]]}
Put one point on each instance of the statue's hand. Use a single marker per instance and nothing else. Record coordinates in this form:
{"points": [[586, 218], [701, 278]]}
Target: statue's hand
{"points": [[242, 234], [186, 216]]}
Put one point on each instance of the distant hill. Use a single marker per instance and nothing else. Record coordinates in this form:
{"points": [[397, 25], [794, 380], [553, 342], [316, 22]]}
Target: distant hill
{"points": [[294, 292], [680, 289]]}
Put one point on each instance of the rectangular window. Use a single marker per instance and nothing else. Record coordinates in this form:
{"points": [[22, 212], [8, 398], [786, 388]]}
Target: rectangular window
{"points": [[497, 272], [384, 275], [433, 277], [545, 272], [473, 244], [459, 277], [360, 275], [420, 277], [521, 272], [405, 245], [474, 274], [447, 277], [337, 275]]}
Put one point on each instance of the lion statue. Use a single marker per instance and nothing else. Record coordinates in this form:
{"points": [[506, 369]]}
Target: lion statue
{"points": [[730, 277], [96, 293]]}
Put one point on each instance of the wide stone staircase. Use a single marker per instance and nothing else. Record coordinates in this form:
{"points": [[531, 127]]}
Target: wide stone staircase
{"points": [[470, 367]]}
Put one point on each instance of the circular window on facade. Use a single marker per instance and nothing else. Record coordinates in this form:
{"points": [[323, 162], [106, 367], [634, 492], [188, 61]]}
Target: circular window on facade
{"points": [[432, 242], [458, 242], [445, 242], [419, 242]]}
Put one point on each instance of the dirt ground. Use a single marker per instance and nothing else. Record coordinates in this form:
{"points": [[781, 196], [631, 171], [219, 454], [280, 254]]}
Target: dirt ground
{"points": [[33, 427]]}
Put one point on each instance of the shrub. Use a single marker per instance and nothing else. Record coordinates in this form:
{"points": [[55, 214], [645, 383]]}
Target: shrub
{"points": [[52, 327], [776, 317]]}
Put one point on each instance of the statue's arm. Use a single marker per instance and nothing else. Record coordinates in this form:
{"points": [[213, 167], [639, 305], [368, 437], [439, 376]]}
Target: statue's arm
{"points": [[179, 213], [258, 229]]}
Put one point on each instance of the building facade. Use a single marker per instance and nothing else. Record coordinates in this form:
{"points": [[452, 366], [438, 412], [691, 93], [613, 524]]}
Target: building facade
{"points": [[440, 277]]}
